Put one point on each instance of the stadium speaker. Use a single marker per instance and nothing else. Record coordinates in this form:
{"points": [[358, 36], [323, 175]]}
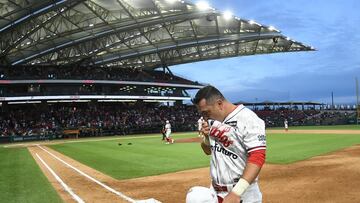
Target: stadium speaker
{"points": [[275, 40], [210, 17]]}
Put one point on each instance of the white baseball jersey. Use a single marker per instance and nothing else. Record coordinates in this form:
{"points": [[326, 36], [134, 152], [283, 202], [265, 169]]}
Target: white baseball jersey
{"points": [[241, 132], [168, 129], [200, 121], [286, 124]]}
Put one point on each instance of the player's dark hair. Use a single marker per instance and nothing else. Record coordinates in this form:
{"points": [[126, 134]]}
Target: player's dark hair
{"points": [[209, 93]]}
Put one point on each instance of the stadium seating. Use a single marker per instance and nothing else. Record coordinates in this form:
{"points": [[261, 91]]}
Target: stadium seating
{"points": [[97, 119]]}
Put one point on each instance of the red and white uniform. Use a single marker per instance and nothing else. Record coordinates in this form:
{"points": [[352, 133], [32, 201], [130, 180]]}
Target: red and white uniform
{"points": [[231, 141], [167, 129], [200, 121], [286, 124]]}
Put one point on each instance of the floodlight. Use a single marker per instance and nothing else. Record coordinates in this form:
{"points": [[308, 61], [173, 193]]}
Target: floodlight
{"points": [[203, 5], [228, 15], [171, 1]]}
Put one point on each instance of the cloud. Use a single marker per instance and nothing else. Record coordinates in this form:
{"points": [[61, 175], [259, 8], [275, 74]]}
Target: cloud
{"points": [[303, 87], [330, 26]]}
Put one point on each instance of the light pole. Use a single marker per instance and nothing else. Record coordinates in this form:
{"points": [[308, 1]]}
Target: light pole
{"points": [[256, 99]]}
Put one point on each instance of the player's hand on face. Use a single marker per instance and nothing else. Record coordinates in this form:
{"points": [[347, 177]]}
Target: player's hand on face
{"points": [[231, 198], [205, 129]]}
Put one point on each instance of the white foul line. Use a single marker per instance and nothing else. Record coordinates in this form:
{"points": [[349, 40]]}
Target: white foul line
{"points": [[66, 187], [91, 178]]}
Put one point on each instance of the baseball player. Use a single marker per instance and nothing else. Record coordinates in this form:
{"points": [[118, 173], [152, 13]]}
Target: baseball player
{"points": [[286, 125], [200, 121], [163, 132], [168, 133], [235, 139]]}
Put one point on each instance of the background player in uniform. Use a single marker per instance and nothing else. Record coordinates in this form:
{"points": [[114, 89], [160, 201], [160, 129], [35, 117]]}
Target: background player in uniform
{"points": [[163, 132], [286, 126], [235, 138], [168, 133], [200, 122]]}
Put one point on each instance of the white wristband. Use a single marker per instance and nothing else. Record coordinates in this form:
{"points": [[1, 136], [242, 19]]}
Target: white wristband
{"points": [[206, 141], [240, 187]]}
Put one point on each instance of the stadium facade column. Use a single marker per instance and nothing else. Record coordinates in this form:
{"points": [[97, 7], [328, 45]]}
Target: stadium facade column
{"points": [[4, 107], [44, 105], [139, 103], [92, 104], [178, 103]]}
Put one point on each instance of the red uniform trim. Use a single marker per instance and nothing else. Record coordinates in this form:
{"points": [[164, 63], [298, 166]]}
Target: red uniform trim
{"points": [[256, 148], [220, 199], [257, 157]]}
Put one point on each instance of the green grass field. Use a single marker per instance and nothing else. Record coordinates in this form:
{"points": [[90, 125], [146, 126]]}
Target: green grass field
{"points": [[145, 156], [327, 127], [289, 148], [21, 180], [149, 156]]}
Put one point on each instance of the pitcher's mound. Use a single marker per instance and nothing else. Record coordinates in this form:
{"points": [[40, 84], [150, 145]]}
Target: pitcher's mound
{"points": [[189, 140]]}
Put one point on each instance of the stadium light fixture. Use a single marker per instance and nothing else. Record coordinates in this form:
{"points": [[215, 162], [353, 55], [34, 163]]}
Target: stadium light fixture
{"points": [[25, 102], [116, 100], [227, 15], [171, 1], [252, 22], [203, 5], [272, 28]]}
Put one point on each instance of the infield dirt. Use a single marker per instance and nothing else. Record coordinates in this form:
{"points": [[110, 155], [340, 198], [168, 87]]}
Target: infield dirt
{"points": [[334, 177]]}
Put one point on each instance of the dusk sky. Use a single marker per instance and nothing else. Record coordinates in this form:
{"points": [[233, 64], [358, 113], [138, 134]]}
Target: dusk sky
{"points": [[330, 26]]}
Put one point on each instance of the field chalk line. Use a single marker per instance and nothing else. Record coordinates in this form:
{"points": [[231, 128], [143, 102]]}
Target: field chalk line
{"points": [[91, 178], [66, 187]]}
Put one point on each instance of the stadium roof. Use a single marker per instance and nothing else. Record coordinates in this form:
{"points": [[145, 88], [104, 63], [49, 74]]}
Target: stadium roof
{"points": [[129, 33]]}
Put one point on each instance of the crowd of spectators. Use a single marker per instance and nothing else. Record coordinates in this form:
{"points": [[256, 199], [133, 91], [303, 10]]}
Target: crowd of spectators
{"points": [[106, 119], [275, 118], [87, 86], [331, 117], [87, 73], [131, 118]]}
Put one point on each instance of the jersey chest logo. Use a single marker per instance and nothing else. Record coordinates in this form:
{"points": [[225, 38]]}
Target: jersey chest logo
{"points": [[232, 123], [220, 132]]}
